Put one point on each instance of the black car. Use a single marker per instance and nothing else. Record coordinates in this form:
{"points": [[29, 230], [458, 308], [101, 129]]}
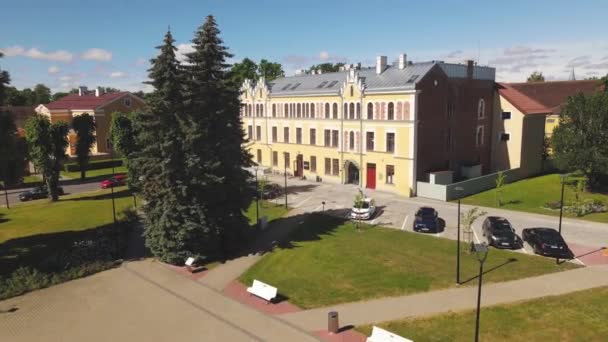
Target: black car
{"points": [[427, 220], [547, 242], [37, 193], [500, 233]]}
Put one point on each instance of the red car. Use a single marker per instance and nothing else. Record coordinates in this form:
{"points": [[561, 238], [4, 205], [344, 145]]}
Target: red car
{"points": [[117, 180]]}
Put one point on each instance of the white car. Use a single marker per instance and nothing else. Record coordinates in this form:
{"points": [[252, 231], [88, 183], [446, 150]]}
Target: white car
{"points": [[365, 212]]}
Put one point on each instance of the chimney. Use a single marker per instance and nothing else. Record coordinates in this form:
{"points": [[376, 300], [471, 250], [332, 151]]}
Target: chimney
{"points": [[98, 92], [470, 66], [82, 90], [380, 64], [402, 61]]}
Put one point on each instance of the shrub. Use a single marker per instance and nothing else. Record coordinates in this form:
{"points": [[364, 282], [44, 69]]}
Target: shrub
{"points": [[552, 205], [93, 165]]}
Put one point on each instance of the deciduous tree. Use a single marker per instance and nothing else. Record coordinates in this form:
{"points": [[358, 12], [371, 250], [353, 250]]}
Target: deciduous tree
{"points": [[84, 126], [536, 76]]}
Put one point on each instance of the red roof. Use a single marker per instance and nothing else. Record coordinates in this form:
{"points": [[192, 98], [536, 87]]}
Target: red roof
{"points": [[544, 97], [88, 101]]}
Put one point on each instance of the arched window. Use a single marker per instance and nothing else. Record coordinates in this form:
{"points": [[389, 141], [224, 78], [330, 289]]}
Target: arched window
{"points": [[358, 111], [481, 109], [307, 111], [274, 110], [312, 110], [351, 109], [391, 111], [351, 91], [335, 110], [351, 140], [327, 112], [261, 110], [248, 110], [293, 110], [345, 111], [370, 111], [299, 110]]}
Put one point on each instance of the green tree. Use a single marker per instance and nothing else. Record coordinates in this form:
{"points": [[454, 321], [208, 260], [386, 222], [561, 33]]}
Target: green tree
{"points": [[580, 141], [270, 71], [5, 79], [536, 76], [14, 97], [245, 70], [47, 143], [326, 67], [59, 95], [213, 140], [12, 153], [123, 134], [84, 126], [500, 183], [467, 219], [41, 94]]}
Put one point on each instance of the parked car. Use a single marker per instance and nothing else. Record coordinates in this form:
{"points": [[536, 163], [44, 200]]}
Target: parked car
{"points": [[500, 233], [365, 212], [117, 180], [547, 242], [427, 220], [38, 192]]}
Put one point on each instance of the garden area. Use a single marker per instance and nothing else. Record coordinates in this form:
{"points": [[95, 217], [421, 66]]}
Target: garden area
{"points": [[328, 260], [541, 195], [579, 316]]}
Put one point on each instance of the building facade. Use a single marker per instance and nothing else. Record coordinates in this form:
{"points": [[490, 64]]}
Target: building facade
{"points": [[97, 104], [379, 128]]}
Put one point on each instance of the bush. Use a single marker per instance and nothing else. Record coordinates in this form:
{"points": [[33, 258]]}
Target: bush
{"points": [[586, 208], [93, 165], [552, 205]]}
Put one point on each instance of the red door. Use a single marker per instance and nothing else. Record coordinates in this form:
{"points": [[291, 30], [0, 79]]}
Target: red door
{"points": [[371, 176]]}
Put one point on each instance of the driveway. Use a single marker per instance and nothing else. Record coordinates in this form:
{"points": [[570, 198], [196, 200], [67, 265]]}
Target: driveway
{"points": [[398, 212]]}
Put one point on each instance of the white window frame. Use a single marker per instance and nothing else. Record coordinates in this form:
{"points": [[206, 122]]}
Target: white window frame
{"points": [[478, 143]]}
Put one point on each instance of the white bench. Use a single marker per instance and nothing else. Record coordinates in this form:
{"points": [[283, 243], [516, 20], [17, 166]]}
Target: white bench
{"points": [[263, 290], [381, 335]]}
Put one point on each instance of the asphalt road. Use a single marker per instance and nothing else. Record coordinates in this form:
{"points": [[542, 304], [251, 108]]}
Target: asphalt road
{"points": [[69, 187]]}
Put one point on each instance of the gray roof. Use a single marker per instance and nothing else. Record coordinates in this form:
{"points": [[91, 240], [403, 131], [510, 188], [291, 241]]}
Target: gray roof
{"points": [[391, 79]]}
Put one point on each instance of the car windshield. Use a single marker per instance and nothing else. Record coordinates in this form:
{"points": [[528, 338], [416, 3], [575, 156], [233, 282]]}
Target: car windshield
{"points": [[426, 212], [549, 236], [365, 205], [502, 225]]}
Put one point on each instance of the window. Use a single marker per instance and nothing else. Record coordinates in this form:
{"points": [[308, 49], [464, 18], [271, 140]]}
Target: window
{"points": [[286, 135], [481, 109], [127, 101], [261, 110], [286, 110], [335, 111], [259, 156], [507, 115], [505, 136], [312, 110], [327, 166], [287, 86], [351, 140], [306, 109], [274, 134], [450, 109], [327, 112], [390, 142], [550, 120], [313, 136], [322, 84], [275, 158], [369, 141], [258, 132], [313, 164], [345, 111], [260, 93], [327, 141], [390, 173], [351, 110], [295, 86], [108, 144], [358, 111], [370, 111], [335, 167], [286, 156], [391, 111], [351, 91], [274, 110], [299, 110], [333, 83], [292, 110], [479, 136], [298, 135], [248, 110], [249, 132], [335, 138]]}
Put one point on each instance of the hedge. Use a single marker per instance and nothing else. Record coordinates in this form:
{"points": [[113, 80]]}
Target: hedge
{"points": [[93, 165]]}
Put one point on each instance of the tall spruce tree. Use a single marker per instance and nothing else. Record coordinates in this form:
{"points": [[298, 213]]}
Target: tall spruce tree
{"points": [[172, 227], [215, 158]]}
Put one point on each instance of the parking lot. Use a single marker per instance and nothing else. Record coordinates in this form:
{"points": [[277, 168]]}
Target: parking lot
{"points": [[398, 212]]}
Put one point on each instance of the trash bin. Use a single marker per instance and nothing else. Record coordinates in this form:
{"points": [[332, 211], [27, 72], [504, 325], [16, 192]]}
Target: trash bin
{"points": [[332, 322]]}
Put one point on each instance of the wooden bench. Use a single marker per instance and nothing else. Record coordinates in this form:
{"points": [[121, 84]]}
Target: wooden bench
{"points": [[262, 290], [381, 335]]}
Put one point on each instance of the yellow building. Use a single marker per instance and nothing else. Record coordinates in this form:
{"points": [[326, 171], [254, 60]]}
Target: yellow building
{"points": [[363, 125], [97, 104]]}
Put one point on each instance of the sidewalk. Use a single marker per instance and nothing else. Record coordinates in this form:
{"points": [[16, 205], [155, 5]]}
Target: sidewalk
{"points": [[435, 302]]}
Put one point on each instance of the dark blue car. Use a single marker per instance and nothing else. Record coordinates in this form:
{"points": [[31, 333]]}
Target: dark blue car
{"points": [[427, 220]]}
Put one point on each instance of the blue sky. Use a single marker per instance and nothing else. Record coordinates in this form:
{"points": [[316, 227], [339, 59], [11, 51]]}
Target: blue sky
{"points": [[65, 43]]}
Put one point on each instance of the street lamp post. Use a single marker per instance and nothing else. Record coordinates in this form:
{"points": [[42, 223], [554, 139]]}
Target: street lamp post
{"points": [[563, 178], [112, 185], [285, 174], [459, 189], [481, 250], [323, 203], [257, 196]]}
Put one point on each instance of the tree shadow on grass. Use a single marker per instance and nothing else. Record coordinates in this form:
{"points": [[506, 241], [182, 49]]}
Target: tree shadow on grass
{"points": [[2, 218], [493, 268], [117, 194]]}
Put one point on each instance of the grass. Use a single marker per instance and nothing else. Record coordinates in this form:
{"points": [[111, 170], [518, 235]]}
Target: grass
{"points": [[530, 195], [269, 209], [579, 316], [95, 173], [32, 180], [328, 261], [70, 213]]}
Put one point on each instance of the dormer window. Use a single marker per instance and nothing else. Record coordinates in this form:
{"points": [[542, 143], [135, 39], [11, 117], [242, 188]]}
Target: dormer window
{"points": [[127, 101]]}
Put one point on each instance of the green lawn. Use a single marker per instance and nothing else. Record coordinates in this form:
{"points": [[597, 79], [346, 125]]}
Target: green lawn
{"points": [[328, 261], [101, 173], [71, 212], [273, 211], [531, 194], [32, 180], [579, 316]]}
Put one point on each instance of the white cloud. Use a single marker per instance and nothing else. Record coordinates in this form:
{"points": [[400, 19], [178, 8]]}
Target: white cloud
{"points": [[182, 50], [54, 70], [96, 54], [324, 55], [141, 62], [35, 53], [66, 78], [117, 74]]}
